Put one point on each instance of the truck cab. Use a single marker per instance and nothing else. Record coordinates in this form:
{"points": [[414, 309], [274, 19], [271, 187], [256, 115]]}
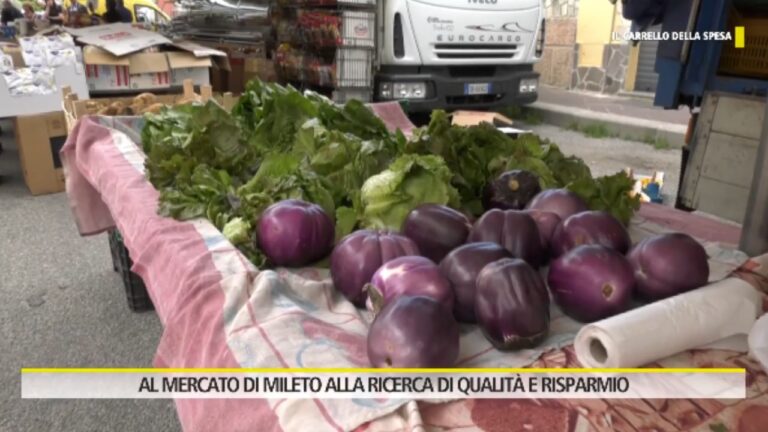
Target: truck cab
{"points": [[449, 54]]}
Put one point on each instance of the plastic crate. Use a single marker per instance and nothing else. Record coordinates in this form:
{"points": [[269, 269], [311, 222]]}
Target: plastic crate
{"points": [[135, 291], [752, 60], [114, 249], [354, 68], [358, 29], [317, 28]]}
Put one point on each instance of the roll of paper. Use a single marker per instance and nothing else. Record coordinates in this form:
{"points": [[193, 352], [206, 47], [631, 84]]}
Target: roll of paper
{"points": [[662, 329]]}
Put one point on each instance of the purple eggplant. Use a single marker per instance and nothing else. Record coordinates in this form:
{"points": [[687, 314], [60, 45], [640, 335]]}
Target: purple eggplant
{"points": [[436, 230], [592, 282], [461, 268], [561, 202], [413, 332], [512, 304], [295, 233], [408, 275], [357, 257], [547, 223], [669, 264], [516, 231], [594, 227], [512, 190]]}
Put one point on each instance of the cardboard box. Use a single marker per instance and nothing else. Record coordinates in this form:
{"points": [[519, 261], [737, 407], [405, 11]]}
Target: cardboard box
{"points": [[474, 118], [40, 137], [15, 53], [119, 39], [240, 66], [152, 61], [149, 71], [144, 71], [105, 71], [185, 66], [236, 76]]}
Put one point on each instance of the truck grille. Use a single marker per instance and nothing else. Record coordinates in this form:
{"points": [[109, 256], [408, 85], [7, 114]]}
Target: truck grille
{"points": [[475, 51]]}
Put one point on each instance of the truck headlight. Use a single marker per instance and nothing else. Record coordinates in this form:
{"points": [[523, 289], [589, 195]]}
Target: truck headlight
{"points": [[409, 90], [529, 85], [385, 90]]}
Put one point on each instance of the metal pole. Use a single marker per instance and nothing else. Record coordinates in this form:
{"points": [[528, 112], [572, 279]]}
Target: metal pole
{"points": [[754, 232]]}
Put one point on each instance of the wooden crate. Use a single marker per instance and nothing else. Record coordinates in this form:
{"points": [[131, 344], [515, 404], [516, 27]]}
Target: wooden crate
{"points": [[721, 163], [75, 109]]}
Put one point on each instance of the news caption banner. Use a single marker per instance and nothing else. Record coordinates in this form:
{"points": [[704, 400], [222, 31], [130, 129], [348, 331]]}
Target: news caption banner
{"points": [[419, 384], [738, 36]]}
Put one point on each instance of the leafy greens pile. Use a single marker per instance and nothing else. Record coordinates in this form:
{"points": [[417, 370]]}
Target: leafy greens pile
{"points": [[278, 143]]}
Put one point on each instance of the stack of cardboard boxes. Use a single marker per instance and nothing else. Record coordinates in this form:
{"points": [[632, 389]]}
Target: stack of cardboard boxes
{"points": [[35, 106], [115, 59]]}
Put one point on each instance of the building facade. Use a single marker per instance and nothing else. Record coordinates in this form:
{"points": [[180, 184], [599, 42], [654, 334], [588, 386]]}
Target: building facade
{"points": [[581, 52]]}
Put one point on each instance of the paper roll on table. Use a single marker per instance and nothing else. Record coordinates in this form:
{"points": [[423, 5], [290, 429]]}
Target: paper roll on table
{"points": [[667, 327]]}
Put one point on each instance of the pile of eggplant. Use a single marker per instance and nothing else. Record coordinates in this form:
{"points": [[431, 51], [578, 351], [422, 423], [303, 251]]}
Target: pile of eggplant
{"points": [[501, 272]]}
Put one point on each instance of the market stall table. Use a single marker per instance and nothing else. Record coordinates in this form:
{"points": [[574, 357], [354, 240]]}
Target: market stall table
{"points": [[218, 310]]}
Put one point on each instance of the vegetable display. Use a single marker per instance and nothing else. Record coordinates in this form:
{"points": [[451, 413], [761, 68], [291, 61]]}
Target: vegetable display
{"points": [[669, 264], [449, 225], [278, 143], [413, 332], [512, 305], [436, 229]]}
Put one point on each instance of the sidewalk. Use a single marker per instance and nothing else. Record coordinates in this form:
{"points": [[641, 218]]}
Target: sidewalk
{"points": [[625, 116]]}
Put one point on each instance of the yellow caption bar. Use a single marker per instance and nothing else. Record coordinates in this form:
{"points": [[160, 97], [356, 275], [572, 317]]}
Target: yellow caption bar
{"points": [[391, 370], [739, 37]]}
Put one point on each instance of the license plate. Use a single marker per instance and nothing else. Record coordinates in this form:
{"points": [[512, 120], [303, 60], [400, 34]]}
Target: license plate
{"points": [[477, 89]]}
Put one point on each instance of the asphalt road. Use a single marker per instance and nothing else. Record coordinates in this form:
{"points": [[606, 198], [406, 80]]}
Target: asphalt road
{"points": [[609, 155], [64, 306]]}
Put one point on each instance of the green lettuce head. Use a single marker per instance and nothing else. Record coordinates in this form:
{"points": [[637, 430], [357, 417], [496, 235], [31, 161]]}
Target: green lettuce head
{"points": [[237, 231], [411, 180]]}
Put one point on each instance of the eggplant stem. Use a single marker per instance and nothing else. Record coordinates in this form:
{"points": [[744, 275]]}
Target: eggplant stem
{"points": [[607, 290]]}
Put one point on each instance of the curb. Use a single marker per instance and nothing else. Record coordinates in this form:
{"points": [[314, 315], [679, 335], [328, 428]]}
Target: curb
{"points": [[637, 129]]}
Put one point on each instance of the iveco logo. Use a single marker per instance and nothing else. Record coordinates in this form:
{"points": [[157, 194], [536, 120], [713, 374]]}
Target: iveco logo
{"points": [[482, 1]]}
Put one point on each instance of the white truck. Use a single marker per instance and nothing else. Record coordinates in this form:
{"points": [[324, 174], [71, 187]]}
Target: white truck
{"points": [[458, 54]]}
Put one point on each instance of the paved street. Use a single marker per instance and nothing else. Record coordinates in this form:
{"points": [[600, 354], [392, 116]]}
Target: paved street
{"points": [[63, 306], [609, 155]]}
